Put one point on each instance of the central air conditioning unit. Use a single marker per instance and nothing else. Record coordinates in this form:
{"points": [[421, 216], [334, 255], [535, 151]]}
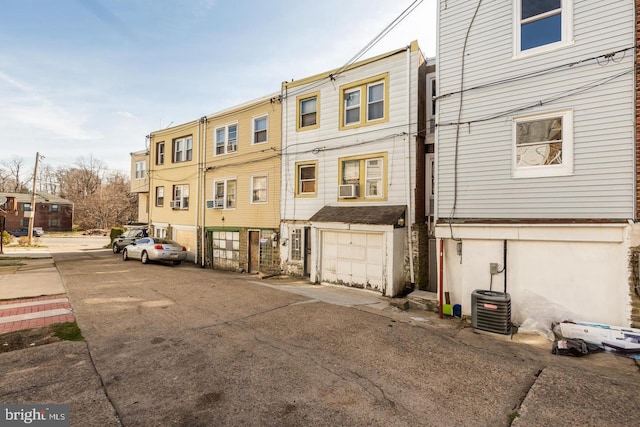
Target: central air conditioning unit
{"points": [[348, 191], [491, 312], [175, 204]]}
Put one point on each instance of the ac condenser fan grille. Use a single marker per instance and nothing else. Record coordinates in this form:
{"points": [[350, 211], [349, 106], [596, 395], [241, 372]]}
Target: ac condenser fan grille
{"points": [[491, 311]]}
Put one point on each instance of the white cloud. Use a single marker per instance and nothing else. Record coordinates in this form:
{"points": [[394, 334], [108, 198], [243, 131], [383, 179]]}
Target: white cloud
{"points": [[127, 115], [32, 109]]}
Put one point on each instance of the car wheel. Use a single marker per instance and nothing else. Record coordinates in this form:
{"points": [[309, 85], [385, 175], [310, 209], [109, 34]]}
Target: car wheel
{"points": [[144, 258], [176, 262], [125, 255], [116, 249]]}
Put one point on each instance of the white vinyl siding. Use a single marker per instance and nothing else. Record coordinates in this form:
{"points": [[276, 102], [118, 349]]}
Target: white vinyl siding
{"points": [[385, 136], [602, 183]]}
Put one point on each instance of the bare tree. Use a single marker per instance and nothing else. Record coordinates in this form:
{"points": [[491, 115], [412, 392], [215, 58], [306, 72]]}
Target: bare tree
{"points": [[15, 179], [48, 180], [82, 181]]}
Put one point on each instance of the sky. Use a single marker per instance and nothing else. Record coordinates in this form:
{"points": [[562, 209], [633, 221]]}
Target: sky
{"points": [[81, 78]]}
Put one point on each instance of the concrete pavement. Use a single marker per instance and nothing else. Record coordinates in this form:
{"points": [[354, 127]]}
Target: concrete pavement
{"points": [[196, 347]]}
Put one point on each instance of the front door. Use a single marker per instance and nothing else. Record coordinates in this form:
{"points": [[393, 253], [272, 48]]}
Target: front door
{"points": [[307, 251], [254, 251]]}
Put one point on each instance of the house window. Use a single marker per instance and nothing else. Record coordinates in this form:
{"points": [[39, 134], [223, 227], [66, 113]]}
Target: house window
{"points": [[180, 197], [182, 149], [225, 194], [54, 222], [296, 245], [227, 139], [259, 189], [541, 23], [159, 196], [26, 207], [54, 208], [266, 248], [306, 178], [543, 145], [140, 169], [308, 111], [431, 104], [160, 153], [364, 177], [364, 102], [260, 130]]}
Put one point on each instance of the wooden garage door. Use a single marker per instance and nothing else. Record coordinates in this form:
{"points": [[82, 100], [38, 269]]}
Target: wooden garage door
{"points": [[353, 259]]}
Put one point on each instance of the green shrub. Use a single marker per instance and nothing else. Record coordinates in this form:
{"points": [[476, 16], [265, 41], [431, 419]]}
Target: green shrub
{"points": [[6, 237], [115, 232]]}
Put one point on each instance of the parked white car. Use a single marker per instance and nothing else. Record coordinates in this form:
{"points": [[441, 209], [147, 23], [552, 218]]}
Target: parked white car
{"points": [[155, 249]]}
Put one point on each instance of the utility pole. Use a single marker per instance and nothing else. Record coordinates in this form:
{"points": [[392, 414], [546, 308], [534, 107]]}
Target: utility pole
{"points": [[33, 198]]}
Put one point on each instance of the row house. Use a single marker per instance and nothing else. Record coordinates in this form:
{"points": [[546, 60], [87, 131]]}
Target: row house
{"points": [[242, 187], [174, 175], [140, 183], [214, 186], [353, 154], [536, 180], [326, 179]]}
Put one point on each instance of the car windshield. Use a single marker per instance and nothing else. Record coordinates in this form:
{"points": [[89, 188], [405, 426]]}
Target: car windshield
{"points": [[133, 233]]}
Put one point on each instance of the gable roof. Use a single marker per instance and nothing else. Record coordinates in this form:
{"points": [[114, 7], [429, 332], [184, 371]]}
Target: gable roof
{"points": [[41, 197]]}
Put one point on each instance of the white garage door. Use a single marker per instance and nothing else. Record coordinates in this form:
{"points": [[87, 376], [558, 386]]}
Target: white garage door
{"points": [[352, 259]]}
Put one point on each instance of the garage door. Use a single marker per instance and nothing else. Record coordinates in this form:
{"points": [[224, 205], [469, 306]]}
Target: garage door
{"points": [[353, 259]]}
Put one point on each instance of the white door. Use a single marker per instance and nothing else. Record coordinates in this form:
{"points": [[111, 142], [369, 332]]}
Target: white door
{"points": [[353, 259]]}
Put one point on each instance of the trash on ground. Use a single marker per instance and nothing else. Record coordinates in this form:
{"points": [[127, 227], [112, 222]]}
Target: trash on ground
{"points": [[574, 347], [615, 339], [540, 315]]}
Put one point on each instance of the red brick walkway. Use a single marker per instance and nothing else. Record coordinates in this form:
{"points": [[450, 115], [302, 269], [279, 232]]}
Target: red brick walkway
{"points": [[28, 313]]}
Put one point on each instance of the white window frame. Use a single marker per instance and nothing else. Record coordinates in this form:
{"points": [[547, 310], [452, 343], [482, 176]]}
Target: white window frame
{"points": [[302, 114], [254, 131], [160, 153], [229, 144], [566, 31], [182, 149], [368, 177], [159, 202], [141, 169], [348, 108], [297, 248], [225, 193], [181, 194], [266, 189], [564, 169], [301, 181], [381, 101]]}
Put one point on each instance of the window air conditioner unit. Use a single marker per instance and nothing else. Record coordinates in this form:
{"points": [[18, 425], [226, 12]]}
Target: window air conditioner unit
{"points": [[215, 204], [175, 204], [348, 191]]}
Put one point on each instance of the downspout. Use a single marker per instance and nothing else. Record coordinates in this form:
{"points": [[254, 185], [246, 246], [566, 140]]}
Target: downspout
{"points": [[204, 189], [197, 210], [440, 292], [408, 188], [152, 194]]}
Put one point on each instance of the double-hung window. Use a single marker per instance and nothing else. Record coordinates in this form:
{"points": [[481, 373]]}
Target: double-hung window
{"points": [[180, 197], [541, 25], [260, 130], [225, 194], [259, 189], [308, 111], [362, 177], [54, 208], [140, 169], [543, 145], [306, 178], [182, 149], [160, 153], [364, 102], [227, 139], [159, 196]]}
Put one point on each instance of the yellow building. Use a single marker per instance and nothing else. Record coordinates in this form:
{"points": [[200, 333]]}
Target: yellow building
{"points": [[175, 160], [140, 182], [242, 187]]}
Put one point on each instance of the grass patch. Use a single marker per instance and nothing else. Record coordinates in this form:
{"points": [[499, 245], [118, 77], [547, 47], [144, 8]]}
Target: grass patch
{"points": [[68, 331], [512, 416]]}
